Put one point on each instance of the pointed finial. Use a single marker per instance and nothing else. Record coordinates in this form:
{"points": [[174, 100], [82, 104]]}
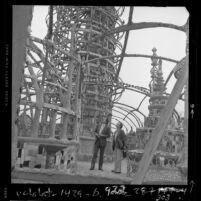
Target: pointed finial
{"points": [[154, 60], [154, 50]]}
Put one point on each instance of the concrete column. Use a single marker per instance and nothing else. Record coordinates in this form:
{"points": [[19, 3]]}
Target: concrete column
{"points": [[22, 16]]}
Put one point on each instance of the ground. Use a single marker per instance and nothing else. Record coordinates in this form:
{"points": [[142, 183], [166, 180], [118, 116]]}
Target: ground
{"points": [[86, 176]]}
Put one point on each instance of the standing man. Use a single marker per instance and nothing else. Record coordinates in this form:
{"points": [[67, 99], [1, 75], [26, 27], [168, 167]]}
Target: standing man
{"points": [[118, 145], [102, 132]]}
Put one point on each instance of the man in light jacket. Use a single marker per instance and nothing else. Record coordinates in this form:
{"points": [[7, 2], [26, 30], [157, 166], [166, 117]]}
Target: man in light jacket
{"points": [[118, 145]]}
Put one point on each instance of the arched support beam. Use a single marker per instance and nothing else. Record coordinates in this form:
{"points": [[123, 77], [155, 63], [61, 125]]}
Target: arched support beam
{"points": [[142, 25], [142, 102], [130, 55], [132, 114], [177, 116], [137, 107], [178, 66], [130, 107], [126, 117], [122, 120]]}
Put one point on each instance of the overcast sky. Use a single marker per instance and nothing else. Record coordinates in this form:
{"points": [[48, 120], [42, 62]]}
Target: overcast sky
{"points": [[169, 43]]}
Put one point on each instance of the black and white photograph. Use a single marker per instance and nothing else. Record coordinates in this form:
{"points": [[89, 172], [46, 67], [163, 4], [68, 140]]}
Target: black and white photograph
{"points": [[100, 95]]}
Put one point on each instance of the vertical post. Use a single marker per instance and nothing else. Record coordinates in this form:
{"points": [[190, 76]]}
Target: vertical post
{"points": [[40, 93], [38, 109], [68, 101], [53, 124], [22, 16], [77, 103], [44, 116]]}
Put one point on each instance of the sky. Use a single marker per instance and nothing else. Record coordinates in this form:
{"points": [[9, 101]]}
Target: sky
{"points": [[169, 43]]}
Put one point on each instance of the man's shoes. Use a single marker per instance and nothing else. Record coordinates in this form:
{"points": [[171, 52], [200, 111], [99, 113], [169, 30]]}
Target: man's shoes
{"points": [[91, 168], [100, 169], [116, 172]]}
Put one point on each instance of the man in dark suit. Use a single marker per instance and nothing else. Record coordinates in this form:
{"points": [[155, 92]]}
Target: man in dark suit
{"points": [[102, 132]]}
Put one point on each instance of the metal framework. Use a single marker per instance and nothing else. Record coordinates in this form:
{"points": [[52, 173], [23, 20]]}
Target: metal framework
{"points": [[74, 78]]}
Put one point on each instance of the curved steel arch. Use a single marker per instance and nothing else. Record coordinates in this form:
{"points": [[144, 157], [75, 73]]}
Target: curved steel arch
{"points": [[178, 66], [132, 114], [122, 120], [177, 116], [130, 107], [129, 55], [142, 101], [138, 91], [124, 117], [143, 25], [136, 117]]}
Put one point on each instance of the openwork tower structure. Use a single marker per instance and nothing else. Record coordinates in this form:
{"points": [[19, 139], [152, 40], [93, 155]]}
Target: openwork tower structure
{"points": [[69, 79], [77, 30]]}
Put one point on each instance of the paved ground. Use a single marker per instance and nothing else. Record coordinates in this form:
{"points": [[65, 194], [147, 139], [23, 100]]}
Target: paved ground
{"points": [[84, 175], [107, 168]]}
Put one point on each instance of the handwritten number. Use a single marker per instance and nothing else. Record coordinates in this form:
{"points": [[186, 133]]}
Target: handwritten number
{"points": [[136, 190], [143, 190], [115, 190], [108, 190], [163, 197], [192, 183], [65, 193], [79, 193], [95, 192], [122, 188]]}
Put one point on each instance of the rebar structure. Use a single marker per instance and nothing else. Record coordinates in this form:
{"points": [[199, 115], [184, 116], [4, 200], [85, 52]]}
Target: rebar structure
{"points": [[72, 30], [71, 77]]}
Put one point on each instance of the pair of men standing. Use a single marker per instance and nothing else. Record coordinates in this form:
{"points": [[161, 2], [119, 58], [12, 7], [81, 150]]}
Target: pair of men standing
{"points": [[102, 132]]}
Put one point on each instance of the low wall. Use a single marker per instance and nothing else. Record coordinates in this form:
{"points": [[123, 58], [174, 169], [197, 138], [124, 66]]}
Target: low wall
{"points": [[47, 154]]}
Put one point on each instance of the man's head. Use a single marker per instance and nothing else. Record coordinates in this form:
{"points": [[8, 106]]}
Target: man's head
{"points": [[108, 118], [119, 125]]}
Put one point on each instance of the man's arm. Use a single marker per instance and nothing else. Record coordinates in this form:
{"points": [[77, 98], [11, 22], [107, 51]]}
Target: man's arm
{"points": [[124, 139], [108, 132], [96, 131]]}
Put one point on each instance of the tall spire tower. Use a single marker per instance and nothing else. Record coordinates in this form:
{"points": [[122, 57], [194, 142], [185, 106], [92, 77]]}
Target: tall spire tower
{"points": [[170, 149]]}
